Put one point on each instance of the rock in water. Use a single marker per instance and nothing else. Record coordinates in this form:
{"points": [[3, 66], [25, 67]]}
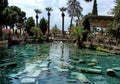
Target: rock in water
{"points": [[91, 64], [111, 72], [11, 64], [116, 68]]}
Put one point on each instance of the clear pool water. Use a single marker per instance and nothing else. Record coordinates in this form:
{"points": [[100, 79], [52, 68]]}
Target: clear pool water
{"points": [[29, 58]]}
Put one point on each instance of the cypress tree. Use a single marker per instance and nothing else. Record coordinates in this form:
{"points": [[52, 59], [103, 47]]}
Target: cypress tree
{"points": [[94, 11], [43, 25]]}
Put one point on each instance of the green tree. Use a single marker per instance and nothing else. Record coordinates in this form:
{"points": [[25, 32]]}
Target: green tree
{"points": [[36, 31], [117, 11], [10, 16], [114, 28], [3, 5], [48, 9], [63, 9], [43, 25], [77, 33], [7, 15], [114, 31], [29, 24], [55, 29], [37, 11], [13, 16], [21, 21], [86, 26], [94, 10], [74, 10]]}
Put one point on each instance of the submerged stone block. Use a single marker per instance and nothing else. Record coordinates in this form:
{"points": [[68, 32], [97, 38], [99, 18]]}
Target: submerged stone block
{"points": [[89, 70], [34, 73], [71, 80], [28, 80], [82, 78], [61, 69], [91, 64]]}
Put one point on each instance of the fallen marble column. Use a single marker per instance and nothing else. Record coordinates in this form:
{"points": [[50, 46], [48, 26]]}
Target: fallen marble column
{"points": [[89, 70]]}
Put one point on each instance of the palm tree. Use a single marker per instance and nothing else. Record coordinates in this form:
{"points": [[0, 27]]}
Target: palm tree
{"points": [[77, 33], [37, 11], [49, 9], [62, 9], [74, 10]]}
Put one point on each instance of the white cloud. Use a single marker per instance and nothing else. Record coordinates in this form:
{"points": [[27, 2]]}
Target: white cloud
{"points": [[28, 6]]}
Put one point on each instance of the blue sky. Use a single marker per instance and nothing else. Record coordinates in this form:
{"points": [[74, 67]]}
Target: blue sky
{"points": [[104, 7]]}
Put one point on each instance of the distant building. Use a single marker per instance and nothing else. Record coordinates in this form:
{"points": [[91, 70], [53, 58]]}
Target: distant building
{"points": [[100, 21]]}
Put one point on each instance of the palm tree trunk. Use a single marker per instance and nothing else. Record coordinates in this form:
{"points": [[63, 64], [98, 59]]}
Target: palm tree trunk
{"points": [[63, 24], [79, 24], [36, 20], [71, 22], [48, 23]]}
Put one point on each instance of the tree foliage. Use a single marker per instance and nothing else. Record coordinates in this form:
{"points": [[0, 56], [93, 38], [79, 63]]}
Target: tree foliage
{"points": [[43, 25], [3, 5], [29, 24], [114, 27], [94, 11], [36, 31], [114, 30], [77, 33], [13, 15], [86, 27], [37, 11], [55, 29], [74, 10]]}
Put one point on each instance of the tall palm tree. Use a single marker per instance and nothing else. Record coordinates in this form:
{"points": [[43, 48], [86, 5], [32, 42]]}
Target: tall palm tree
{"points": [[62, 9], [74, 9], [49, 9], [37, 11]]}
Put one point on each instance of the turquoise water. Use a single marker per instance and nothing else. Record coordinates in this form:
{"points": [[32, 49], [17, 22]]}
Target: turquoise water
{"points": [[105, 61], [30, 57]]}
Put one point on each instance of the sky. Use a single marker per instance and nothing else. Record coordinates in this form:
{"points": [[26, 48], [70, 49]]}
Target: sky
{"points": [[104, 8]]}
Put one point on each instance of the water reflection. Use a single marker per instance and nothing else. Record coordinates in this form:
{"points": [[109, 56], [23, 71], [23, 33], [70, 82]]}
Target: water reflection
{"points": [[45, 64]]}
